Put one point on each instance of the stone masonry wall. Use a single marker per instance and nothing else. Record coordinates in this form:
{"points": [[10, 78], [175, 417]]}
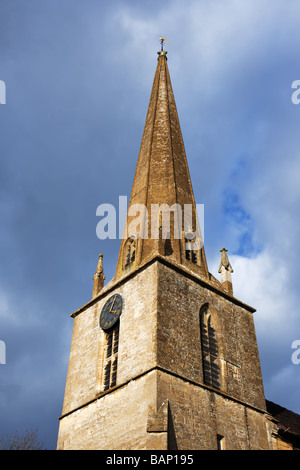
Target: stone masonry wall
{"points": [[117, 420], [197, 415], [180, 298], [137, 339], [159, 365]]}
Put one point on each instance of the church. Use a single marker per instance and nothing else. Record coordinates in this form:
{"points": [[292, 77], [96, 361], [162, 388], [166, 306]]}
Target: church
{"points": [[164, 356]]}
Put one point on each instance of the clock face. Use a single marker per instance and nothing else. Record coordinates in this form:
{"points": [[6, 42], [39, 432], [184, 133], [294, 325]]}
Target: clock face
{"points": [[111, 311]]}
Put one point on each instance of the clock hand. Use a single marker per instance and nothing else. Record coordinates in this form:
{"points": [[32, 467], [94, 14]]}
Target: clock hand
{"points": [[112, 306]]}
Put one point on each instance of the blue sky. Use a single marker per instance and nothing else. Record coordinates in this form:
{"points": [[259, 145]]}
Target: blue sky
{"points": [[78, 78]]}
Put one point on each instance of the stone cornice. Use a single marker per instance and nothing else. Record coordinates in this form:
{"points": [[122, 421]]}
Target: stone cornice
{"points": [[113, 285]]}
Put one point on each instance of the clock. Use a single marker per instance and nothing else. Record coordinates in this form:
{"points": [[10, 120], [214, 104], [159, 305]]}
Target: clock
{"points": [[111, 311]]}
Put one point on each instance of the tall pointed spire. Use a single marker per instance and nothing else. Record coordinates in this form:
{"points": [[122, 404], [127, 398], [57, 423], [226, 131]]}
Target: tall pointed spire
{"points": [[162, 190]]}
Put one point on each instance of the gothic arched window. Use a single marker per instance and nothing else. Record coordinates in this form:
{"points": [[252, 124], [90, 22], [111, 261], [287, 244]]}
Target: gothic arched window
{"points": [[111, 357], [210, 350]]}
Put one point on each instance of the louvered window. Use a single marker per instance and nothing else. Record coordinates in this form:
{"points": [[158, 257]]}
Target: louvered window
{"points": [[111, 357], [210, 353]]}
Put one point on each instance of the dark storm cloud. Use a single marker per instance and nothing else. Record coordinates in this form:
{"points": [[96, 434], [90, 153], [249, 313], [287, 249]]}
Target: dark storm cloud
{"points": [[78, 77]]}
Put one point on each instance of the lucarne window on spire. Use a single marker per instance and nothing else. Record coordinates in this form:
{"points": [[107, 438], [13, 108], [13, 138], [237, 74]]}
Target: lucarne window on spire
{"points": [[129, 252], [190, 253]]}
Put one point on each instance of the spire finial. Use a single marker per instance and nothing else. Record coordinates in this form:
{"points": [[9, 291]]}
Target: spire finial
{"points": [[162, 52], [98, 277], [162, 40], [225, 269]]}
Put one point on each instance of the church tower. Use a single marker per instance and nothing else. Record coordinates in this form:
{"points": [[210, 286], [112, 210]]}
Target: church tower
{"points": [[164, 356]]}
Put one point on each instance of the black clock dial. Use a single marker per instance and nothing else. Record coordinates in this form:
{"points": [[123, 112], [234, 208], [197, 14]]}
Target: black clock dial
{"points": [[111, 311]]}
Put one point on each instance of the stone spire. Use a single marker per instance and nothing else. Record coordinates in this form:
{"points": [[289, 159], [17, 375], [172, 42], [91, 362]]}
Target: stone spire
{"points": [[98, 277], [162, 190], [225, 269]]}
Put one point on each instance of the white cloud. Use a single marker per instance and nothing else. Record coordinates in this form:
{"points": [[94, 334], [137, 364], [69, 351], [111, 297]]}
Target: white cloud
{"points": [[261, 283], [264, 284]]}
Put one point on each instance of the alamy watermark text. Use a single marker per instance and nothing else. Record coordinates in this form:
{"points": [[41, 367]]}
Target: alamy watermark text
{"points": [[2, 92], [155, 222], [2, 352]]}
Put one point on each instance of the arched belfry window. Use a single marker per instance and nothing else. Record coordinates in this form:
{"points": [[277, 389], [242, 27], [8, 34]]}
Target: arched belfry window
{"points": [[111, 357], [210, 349]]}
